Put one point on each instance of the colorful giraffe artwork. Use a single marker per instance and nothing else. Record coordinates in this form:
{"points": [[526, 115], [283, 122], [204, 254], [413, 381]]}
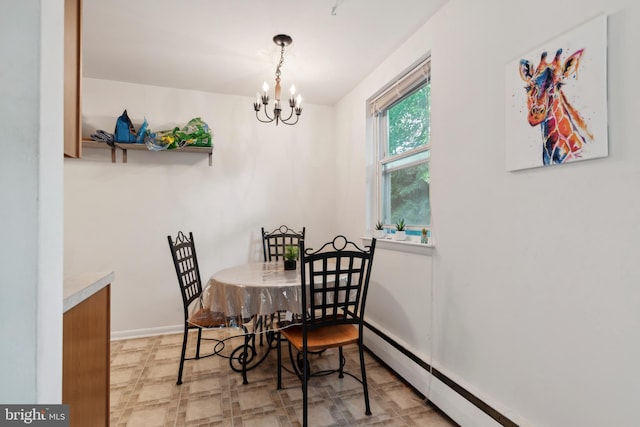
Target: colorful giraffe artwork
{"points": [[561, 115], [564, 131]]}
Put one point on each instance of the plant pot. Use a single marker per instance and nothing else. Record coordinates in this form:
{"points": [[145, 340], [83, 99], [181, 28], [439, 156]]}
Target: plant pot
{"points": [[379, 234], [290, 264], [401, 235]]}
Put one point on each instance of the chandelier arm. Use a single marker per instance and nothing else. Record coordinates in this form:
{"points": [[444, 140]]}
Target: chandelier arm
{"points": [[264, 121], [266, 113], [288, 118], [290, 123]]}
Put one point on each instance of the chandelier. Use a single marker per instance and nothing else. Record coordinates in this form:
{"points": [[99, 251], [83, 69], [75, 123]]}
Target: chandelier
{"points": [[281, 40]]}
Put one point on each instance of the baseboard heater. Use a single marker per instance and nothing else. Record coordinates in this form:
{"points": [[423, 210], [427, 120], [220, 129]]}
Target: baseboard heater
{"points": [[475, 400]]}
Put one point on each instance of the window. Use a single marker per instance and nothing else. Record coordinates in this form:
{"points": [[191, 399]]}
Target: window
{"points": [[401, 121]]}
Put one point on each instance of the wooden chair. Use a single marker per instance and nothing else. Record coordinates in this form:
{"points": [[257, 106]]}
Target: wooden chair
{"points": [[183, 251], [334, 283]]}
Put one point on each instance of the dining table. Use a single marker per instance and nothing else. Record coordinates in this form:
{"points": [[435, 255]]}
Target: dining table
{"points": [[259, 297]]}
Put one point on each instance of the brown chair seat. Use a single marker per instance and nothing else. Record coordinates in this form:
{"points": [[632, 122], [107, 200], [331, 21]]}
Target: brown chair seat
{"points": [[205, 318], [322, 338]]}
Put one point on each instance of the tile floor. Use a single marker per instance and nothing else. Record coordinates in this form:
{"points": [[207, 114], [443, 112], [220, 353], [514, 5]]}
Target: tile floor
{"points": [[144, 391]]}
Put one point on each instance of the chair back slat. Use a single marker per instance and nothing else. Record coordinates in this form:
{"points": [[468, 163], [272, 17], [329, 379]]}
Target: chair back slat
{"points": [[335, 278], [185, 261], [275, 242]]}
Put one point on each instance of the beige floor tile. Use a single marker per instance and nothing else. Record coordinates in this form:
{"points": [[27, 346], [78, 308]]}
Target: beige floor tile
{"points": [[204, 409], [123, 376], [353, 409], [138, 343], [175, 339], [277, 418], [342, 386], [114, 417], [405, 399], [144, 390], [167, 353], [322, 414], [429, 418], [117, 398], [209, 364], [255, 398], [128, 358], [148, 417], [204, 386], [380, 376], [156, 392], [292, 393], [161, 370], [392, 422]]}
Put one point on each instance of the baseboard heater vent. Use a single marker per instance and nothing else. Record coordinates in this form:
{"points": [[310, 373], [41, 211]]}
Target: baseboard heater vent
{"points": [[475, 400]]}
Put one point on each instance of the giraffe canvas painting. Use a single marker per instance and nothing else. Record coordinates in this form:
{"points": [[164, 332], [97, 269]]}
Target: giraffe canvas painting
{"points": [[556, 110]]}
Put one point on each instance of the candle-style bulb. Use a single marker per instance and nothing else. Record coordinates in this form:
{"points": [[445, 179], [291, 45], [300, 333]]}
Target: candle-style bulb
{"points": [[298, 101], [265, 87], [293, 90]]}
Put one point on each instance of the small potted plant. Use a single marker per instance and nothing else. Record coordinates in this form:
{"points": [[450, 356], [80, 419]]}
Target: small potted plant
{"points": [[424, 238], [290, 257], [379, 232], [400, 230]]}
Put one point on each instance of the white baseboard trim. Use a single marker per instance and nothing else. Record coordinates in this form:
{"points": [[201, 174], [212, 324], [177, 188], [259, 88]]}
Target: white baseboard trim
{"points": [[147, 332], [451, 403]]}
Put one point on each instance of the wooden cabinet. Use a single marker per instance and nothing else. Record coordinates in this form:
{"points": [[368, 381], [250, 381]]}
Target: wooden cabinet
{"points": [[86, 359], [72, 77]]}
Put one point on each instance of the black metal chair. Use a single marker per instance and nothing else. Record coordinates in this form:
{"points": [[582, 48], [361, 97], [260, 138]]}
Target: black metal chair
{"points": [[334, 283], [275, 242], [196, 316]]}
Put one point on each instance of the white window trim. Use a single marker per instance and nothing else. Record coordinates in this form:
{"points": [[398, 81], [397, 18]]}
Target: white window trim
{"points": [[401, 246], [373, 147]]}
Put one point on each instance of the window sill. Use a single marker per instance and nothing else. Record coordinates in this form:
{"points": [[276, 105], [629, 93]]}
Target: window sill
{"points": [[409, 246]]}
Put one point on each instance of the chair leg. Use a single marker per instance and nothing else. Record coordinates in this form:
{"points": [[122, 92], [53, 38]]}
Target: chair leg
{"points": [[340, 361], [279, 353], [198, 344], [365, 389], [184, 350], [245, 356], [305, 380]]}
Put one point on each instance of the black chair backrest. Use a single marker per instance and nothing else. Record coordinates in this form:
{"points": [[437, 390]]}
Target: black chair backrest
{"points": [[185, 261], [337, 279], [275, 242]]}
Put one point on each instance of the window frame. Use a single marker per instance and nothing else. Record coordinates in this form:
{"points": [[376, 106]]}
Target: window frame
{"points": [[402, 87]]}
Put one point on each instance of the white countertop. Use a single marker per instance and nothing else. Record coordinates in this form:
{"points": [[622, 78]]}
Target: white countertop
{"points": [[78, 288]]}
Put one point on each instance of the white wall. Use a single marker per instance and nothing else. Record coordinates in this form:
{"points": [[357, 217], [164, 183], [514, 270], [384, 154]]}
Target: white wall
{"points": [[535, 273], [118, 216], [31, 207], [50, 200]]}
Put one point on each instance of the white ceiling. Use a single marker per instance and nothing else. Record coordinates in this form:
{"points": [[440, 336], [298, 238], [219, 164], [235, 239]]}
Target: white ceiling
{"points": [[225, 46]]}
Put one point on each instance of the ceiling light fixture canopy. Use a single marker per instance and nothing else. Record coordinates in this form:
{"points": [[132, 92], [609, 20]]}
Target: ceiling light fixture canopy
{"points": [[281, 40]]}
